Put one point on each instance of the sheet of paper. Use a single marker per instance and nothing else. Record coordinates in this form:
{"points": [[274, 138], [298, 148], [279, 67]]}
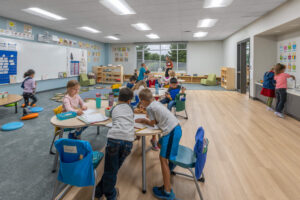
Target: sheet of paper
{"points": [[92, 118], [89, 111], [138, 116], [139, 125]]}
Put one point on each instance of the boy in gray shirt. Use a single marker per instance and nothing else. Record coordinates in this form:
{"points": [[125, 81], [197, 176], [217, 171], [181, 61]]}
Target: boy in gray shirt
{"points": [[169, 143], [119, 144]]}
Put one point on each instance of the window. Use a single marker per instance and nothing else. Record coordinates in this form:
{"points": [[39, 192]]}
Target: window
{"points": [[154, 56]]}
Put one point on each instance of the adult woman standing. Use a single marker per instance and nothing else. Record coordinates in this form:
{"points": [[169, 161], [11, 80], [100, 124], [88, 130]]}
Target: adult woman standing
{"points": [[169, 66]]}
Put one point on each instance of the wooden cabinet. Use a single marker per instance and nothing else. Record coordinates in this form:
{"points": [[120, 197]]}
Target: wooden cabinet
{"points": [[111, 74], [228, 78]]}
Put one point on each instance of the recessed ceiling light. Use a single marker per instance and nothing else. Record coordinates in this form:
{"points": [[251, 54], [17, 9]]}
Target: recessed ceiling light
{"points": [[141, 26], [206, 23], [112, 37], [89, 29], [200, 34], [216, 3], [43, 13], [152, 36], [119, 7]]}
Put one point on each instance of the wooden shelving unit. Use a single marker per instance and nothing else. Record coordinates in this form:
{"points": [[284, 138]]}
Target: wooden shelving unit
{"points": [[111, 74], [228, 78]]}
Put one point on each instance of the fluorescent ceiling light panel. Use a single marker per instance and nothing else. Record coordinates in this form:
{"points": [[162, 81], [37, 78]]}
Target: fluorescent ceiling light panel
{"points": [[119, 7], [206, 23], [200, 34], [43, 13], [112, 37], [141, 26], [89, 29], [216, 3], [152, 36]]}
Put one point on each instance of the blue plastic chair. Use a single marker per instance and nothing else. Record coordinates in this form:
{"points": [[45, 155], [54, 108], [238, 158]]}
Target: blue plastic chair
{"points": [[189, 159], [77, 165]]}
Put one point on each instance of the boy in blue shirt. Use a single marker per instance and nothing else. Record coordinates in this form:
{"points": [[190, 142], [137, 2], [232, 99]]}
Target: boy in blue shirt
{"points": [[173, 90], [169, 142], [131, 83]]}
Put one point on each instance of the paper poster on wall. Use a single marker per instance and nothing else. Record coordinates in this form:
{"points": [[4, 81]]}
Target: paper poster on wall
{"points": [[27, 29], [116, 59], [77, 61], [11, 25]]}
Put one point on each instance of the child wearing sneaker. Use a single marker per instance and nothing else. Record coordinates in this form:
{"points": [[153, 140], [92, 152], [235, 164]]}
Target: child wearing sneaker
{"points": [[281, 87], [73, 102], [29, 89], [169, 143], [119, 145]]}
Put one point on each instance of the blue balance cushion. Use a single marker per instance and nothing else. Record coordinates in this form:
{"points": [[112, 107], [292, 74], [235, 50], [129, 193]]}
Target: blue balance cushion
{"points": [[36, 109], [12, 126]]}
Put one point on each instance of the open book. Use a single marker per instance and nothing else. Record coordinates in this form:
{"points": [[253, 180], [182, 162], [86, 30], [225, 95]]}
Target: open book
{"points": [[90, 116]]}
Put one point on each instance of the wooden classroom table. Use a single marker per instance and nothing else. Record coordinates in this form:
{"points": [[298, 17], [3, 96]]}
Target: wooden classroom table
{"points": [[76, 123], [11, 98]]}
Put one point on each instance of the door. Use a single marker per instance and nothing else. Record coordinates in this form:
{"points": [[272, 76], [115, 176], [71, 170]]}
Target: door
{"points": [[243, 55]]}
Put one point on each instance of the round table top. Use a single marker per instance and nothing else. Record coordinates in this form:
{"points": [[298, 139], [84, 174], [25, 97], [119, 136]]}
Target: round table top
{"points": [[91, 104], [11, 98], [76, 123]]}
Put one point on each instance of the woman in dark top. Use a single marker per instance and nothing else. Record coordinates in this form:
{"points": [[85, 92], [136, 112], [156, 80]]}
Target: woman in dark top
{"points": [[169, 66]]}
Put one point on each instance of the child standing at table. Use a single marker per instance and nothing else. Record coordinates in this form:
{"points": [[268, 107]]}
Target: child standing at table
{"points": [[119, 145], [269, 88], [169, 143], [173, 90], [29, 89], [73, 102], [281, 87]]}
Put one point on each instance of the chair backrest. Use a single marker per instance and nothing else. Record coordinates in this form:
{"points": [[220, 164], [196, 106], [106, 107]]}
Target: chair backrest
{"points": [[200, 150], [211, 77], [180, 102], [83, 77], [76, 162]]}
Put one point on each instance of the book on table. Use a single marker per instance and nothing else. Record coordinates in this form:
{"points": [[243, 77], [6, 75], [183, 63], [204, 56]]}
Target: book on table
{"points": [[92, 116]]}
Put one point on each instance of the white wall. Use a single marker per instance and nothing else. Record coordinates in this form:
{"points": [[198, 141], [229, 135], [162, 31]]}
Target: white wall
{"points": [[285, 13], [131, 64], [204, 57]]}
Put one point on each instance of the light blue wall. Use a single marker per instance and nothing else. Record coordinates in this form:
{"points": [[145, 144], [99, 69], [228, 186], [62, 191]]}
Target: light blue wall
{"points": [[55, 83]]}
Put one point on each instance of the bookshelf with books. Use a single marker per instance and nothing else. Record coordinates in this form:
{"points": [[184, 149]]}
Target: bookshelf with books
{"points": [[109, 74]]}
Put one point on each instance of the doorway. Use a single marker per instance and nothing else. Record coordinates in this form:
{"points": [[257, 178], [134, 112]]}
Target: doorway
{"points": [[243, 66]]}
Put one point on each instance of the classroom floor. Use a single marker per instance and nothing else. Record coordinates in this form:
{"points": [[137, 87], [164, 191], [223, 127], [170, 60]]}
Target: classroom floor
{"points": [[252, 154]]}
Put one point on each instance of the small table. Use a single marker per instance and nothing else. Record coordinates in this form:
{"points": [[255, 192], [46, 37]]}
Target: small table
{"points": [[11, 98]]}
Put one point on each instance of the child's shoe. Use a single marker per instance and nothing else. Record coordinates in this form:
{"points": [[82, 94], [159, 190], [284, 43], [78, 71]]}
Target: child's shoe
{"points": [[279, 115], [159, 192], [154, 145], [269, 109]]}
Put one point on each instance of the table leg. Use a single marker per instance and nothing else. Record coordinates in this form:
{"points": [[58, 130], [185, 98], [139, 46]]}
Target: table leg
{"points": [[144, 163], [56, 154], [16, 107], [98, 130]]}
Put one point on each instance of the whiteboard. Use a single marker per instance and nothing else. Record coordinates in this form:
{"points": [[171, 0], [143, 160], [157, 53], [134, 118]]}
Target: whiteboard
{"points": [[46, 60]]}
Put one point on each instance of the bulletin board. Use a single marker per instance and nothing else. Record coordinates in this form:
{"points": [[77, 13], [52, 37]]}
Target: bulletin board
{"points": [[8, 66]]}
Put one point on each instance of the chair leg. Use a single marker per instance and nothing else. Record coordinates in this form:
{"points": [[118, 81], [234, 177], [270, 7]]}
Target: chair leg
{"points": [[95, 184], [195, 180], [55, 188], [186, 115], [50, 151]]}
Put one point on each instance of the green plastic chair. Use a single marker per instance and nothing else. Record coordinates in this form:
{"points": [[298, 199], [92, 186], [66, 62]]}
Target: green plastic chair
{"points": [[210, 81], [85, 81], [180, 105]]}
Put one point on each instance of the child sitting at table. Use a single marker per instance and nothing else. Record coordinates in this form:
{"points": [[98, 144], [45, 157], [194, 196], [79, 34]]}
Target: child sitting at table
{"points": [[73, 102], [131, 82], [119, 144], [138, 87], [151, 81], [173, 90], [169, 143]]}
